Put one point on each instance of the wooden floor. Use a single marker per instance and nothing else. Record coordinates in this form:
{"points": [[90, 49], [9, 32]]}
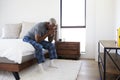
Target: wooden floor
{"points": [[89, 70]]}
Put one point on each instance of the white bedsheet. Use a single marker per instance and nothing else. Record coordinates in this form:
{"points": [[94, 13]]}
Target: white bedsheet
{"points": [[14, 49]]}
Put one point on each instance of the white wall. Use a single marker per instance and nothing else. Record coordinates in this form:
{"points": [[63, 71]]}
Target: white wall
{"points": [[117, 10], [99, 17], [100, 24], [14, 11], [90, 29], [105, 21]]}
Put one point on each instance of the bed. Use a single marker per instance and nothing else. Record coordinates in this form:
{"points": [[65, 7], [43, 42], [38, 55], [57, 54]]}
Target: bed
{"points": [[16, 55]]}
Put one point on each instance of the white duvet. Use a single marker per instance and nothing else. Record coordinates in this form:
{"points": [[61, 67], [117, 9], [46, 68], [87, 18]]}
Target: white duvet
{"points": [[14, 49]]}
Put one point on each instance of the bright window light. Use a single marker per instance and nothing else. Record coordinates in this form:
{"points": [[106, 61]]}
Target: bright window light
{"points": [[73, 12], [75, 35]]}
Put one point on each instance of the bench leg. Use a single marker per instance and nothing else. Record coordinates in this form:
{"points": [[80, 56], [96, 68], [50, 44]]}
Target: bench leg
{"points": [[16, 75]]}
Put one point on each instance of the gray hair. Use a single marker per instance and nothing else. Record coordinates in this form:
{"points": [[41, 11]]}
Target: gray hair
{"points": [[52, 21]]}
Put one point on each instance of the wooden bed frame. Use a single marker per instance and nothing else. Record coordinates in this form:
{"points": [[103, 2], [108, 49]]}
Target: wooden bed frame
{"points": [[16, 68]]}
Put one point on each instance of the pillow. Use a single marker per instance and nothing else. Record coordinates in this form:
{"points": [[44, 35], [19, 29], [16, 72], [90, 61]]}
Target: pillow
{"points": [[26, 26], [11, 31]]}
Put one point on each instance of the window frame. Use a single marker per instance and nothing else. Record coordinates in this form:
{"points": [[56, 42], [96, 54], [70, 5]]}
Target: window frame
{"points": [[70, 26]]}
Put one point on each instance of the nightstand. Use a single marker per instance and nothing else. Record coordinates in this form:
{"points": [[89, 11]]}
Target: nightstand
{"points": [[68, 50]]}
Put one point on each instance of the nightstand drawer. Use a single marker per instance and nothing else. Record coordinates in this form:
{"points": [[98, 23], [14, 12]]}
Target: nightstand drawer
{"points": [[73, 47], [69, 52]]}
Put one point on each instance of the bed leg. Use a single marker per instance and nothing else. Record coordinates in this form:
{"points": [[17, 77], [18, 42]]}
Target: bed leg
{"points": [[16, 75]]}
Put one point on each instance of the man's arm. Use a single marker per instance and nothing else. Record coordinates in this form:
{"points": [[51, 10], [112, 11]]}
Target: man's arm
{"points": [[39, 38], [51, 38]]}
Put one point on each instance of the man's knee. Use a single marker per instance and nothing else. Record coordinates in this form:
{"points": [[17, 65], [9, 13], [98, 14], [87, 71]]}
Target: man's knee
{"points": [[51, 44], [38, 46]]}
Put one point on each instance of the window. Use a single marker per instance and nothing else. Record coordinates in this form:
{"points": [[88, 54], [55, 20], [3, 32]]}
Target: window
{"points": [[72, 13], [73, 21]]}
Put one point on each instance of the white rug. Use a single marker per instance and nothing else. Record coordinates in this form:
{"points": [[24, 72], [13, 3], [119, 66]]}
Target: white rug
{"points": [[67, 70]]}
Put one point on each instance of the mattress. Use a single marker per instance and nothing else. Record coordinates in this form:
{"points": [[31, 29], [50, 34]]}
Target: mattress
{"points": [[15, 50], [24, 59]]}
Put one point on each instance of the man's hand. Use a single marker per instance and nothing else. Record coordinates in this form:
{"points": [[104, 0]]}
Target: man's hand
{"points": [[51, 35], [50, 32]]}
